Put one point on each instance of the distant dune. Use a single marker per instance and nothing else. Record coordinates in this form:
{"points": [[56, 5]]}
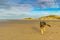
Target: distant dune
{"points": [[49, 17]]}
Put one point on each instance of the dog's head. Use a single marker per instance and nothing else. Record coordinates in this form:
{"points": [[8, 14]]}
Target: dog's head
{"points": [[42, 23]]}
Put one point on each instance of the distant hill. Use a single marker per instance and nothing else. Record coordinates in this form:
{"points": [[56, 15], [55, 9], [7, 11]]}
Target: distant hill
{"points": [[28, 18], [50, 17]]}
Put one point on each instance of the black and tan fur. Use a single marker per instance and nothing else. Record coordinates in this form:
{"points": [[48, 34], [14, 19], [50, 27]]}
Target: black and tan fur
{"points": [[43, 26]]}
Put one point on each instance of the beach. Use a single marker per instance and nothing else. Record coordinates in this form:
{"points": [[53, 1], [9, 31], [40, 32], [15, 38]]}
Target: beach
{"points": [[28, 30]]}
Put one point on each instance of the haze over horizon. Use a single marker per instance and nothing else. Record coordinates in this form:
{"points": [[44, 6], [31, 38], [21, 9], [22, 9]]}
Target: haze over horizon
{"points": [[19, 9]]}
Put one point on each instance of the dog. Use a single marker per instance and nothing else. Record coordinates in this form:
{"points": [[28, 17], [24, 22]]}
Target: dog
{"points": [[43, 26]]}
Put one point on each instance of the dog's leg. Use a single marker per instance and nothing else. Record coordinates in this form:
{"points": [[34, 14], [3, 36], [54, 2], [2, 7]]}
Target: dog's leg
{"points": [[44, 28], [41, 31]]}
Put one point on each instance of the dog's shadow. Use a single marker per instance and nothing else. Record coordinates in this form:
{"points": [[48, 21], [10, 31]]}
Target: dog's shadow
{"points": [[35, 29]]}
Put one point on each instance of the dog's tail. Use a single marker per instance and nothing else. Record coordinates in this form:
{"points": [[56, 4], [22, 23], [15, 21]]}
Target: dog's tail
{"points": [[48, 25]]}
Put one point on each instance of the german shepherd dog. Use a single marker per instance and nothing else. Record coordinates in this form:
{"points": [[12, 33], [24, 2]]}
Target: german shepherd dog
{"points": [[43, 25]]}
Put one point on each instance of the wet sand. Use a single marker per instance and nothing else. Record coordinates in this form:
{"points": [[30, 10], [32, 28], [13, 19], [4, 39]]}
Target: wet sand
{"points": [[28, 30]]}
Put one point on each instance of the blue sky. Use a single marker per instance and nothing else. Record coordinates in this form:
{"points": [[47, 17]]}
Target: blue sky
{"points": [[18, 9]]}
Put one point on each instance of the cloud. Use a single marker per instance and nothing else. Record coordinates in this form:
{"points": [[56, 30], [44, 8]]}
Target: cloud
{"points": [[47, 4], [11, 12], [14, 10], [40, 3], [34, 3], [3, 4], [23, 8]]}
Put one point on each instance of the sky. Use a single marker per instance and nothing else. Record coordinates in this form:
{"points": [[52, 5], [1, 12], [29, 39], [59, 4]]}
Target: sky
{"points": [[19, 9]]}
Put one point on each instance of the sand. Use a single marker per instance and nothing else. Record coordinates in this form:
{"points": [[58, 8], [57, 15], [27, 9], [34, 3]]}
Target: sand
{"points": [[28, 30]]}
